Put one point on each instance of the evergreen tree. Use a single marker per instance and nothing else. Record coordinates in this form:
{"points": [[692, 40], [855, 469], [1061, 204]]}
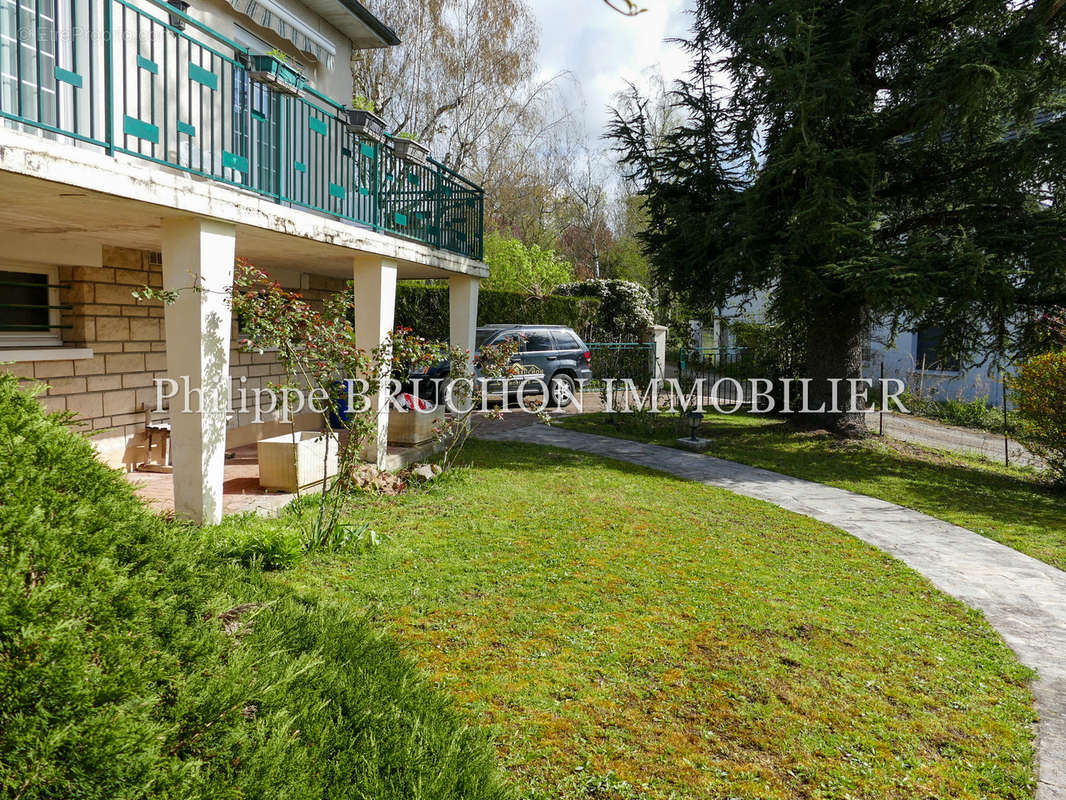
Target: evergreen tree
{"points": [[864, 160]]}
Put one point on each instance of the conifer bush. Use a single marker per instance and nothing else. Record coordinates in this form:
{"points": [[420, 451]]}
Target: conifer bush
{"points": [[1039, 389], [135, 662]]}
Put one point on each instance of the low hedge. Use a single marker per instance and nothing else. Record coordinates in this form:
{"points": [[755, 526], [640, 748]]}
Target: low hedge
{"points": [[424, 309], [134, 663]]}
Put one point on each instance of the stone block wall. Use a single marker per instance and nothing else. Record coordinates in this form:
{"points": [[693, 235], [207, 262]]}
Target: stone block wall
{"points": [[109, 392]]}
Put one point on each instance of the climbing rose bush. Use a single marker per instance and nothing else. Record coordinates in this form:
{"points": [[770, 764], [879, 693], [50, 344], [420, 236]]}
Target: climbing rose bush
{"points": [[1039, 390], [316, 345]]}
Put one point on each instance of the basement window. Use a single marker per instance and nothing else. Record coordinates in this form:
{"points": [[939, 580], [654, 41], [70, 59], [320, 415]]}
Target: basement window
{"points": [[29, 311]]}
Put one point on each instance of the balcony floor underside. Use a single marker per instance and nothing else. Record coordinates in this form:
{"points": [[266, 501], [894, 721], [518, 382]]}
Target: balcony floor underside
{"points": [[56, 193]]}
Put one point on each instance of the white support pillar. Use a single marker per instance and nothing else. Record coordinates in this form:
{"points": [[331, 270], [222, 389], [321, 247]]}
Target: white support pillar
{"points": [[462, 306], [375, 309], [198, 252], [656, 336]]}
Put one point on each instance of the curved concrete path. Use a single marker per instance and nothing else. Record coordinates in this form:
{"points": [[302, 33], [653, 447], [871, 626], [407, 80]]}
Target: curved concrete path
{"points": [[1022, 598]]}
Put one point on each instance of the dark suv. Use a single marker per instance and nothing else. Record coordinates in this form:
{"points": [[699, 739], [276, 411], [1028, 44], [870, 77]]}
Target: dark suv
{"points": [[555, 350]]}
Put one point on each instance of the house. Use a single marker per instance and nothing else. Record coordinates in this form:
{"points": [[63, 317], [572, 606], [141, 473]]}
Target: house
{"points": [[912, 356], [151, 143]]}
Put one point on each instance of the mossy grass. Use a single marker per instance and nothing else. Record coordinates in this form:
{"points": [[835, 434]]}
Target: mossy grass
{"points": [[1018, 507], [624, 634]]}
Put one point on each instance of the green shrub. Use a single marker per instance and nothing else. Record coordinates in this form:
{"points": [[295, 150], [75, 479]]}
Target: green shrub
{"points": [[517, 267], [1039, 390], [134, 663], [624, 312], [775, 351], [425, 310]]}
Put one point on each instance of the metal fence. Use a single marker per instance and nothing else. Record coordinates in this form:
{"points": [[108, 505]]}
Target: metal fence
{"points": [[146, 80], [727, 368], [621, 360]]}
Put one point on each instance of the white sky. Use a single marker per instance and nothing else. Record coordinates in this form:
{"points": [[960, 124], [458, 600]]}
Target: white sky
{"points": [[604, 49]]}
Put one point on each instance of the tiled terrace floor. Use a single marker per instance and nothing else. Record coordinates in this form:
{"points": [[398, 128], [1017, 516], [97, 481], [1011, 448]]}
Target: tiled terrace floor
{"points": [[240, 488]]}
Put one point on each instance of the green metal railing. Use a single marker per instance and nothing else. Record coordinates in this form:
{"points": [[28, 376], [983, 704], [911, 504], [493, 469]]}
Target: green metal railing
{"points": [[726, 368], [166, 88], [26, 316]]}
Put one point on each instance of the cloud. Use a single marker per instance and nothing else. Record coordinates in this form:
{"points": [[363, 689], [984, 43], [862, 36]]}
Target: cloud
{"points": [[604, 49]]}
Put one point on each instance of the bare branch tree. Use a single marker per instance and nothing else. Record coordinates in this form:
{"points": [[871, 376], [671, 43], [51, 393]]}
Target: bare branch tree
{"points": [[626, 7], [465, 81]]}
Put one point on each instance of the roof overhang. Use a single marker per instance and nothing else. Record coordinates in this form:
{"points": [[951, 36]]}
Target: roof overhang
{"points": [[355, 21]]}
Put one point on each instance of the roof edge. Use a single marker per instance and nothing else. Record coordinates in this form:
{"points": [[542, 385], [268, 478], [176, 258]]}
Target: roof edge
{"points": [[366, 16]]}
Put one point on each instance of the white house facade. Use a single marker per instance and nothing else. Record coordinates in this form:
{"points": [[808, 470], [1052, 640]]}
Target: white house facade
{"points": [[912, 356]]}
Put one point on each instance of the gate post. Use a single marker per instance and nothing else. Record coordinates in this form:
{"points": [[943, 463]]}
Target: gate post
{"points": [[656, 336]]}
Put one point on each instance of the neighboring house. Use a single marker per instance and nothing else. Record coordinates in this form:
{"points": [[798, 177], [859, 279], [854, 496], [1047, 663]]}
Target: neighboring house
{"points": [[915, 358], [140, 145], [911, 356]]}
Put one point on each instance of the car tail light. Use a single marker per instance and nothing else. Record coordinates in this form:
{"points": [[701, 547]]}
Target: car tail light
{"points": [[588, 356]]}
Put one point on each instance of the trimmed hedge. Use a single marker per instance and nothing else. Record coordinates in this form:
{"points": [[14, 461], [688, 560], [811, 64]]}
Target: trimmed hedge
{"points": [[424, 309], [134, 663]]}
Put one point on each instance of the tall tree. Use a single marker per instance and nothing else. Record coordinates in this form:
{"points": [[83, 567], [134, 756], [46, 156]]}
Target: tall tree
{"points": [[864, 159], [465, 80], [582, 212], [625, 258]]}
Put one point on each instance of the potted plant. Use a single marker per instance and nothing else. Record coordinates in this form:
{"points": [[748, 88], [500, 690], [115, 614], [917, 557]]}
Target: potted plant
{"points": [[409, 148], [272, 68], [362, 120], [176, 21]]}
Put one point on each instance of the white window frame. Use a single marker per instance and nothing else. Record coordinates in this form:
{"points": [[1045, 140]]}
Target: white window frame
{"points": [[50, 338]]}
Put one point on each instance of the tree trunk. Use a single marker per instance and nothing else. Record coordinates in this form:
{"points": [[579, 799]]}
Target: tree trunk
{"points": [[834, 351]]}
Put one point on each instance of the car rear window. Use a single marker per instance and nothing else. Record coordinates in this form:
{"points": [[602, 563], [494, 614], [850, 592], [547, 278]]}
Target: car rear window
{"points": [[565, 340], [497, 338], [537, 340]]}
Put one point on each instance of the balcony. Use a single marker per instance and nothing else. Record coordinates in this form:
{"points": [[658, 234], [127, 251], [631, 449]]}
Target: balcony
{"points": [[149, 82]]}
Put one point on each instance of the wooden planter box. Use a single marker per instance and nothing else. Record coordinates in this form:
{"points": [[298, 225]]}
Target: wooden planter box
{"points": [[295, 461], [413, 427]]}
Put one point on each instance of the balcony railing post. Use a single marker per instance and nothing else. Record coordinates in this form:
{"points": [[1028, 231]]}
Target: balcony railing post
{"points": [[437, 203], [375, 185], [109, 101], [480, 233]]}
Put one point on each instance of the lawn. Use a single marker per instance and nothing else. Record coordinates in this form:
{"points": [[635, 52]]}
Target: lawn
{"points": [[622, 634], [1013, 506], [135, 663]]}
